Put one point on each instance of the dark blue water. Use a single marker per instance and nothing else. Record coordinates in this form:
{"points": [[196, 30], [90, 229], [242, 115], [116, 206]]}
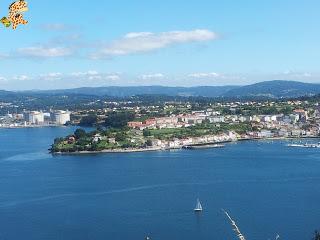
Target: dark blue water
{"points": [[268, 188]]}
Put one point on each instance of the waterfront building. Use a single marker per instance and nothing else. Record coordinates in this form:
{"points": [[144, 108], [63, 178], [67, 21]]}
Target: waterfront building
{"points": [[61, 117], [34, 117], [266, 134], [296, 132]]}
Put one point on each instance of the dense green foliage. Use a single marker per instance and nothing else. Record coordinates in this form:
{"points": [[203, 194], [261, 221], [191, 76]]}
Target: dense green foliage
{"points": [[119, 119], [80, 133], [96, 141], [89, 121]]}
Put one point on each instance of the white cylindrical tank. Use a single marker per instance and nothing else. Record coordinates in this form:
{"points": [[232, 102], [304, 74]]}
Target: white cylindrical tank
{"points": [[61, 117]]}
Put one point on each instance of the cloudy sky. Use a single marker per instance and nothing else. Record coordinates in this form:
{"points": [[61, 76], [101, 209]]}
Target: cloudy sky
{"points": [[71, 44]]}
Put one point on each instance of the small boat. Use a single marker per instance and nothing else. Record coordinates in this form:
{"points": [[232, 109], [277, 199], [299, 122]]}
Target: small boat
{"points": [[198, 207], [305, 145]]}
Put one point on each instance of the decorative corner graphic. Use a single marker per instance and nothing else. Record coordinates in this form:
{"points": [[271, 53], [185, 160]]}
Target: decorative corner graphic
{"points": [[15, 16]]}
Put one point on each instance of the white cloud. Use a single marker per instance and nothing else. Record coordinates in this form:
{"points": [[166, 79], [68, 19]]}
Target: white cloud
{"points": [[91, 72], [3, 79], [307, 74], [89, 75], [94, 75], [85, 74], [140, 42], [152, 76], [113, 77], [138, 34], [55, 27], [4, 56], [204, 75], [45, 52], [21, 78], [51, 76], [293, 74]]}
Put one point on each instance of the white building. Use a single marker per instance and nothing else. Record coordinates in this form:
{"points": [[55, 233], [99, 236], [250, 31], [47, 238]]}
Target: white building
{"points": [[216, 119], [193, 119], [266, 118], [274, 118], [266, 134], [256, 118], [245, 118], [294, 118], [34, 117], [61, 117]]}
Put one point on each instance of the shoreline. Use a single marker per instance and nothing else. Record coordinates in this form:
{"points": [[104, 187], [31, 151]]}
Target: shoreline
{"points": [[125, 150], [190, 147], [32, 126]]}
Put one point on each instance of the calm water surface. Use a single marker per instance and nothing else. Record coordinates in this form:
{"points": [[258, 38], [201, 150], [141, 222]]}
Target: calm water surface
{"points": [[268, 188]]}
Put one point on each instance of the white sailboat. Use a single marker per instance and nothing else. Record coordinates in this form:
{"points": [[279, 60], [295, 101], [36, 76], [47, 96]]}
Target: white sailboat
{"points": [[198, 207]]}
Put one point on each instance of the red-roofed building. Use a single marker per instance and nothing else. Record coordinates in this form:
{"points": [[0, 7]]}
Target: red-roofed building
{"points": [[134, 124]]}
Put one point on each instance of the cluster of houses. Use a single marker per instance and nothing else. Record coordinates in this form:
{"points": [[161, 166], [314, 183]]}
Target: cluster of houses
{"points": [[198, 117], [190, 141], [300, 123], [178, 121], [267, 126]]}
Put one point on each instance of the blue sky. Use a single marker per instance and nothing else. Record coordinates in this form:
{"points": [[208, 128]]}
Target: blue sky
{"points": [[178, 43]]}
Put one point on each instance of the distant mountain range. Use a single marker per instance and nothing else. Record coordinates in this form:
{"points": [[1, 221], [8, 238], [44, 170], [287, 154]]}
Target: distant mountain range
{"points": [[276, 89], [146, 90], [268, 89]]}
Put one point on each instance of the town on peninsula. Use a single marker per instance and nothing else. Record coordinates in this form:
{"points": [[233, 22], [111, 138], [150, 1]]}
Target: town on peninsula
{"points": [[176, 125]]}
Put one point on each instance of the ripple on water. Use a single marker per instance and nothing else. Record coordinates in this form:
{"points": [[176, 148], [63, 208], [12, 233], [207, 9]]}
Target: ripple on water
{"points": [[33, 156]]}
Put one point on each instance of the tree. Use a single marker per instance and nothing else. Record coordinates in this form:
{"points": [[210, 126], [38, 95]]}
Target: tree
{"points": [[80, 133], [149, 143], [58, 140], [100, 129], [119, 119], [270, 110], [146, 132], [120, 137], [89, 120], [287, 110], [143, 111]]}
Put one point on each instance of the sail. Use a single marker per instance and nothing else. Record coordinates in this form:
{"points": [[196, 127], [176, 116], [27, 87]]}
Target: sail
{"points": [[198, 206]]}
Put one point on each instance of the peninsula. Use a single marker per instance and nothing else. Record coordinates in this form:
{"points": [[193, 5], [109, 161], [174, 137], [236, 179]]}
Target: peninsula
{"points": [[176, 125]]}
